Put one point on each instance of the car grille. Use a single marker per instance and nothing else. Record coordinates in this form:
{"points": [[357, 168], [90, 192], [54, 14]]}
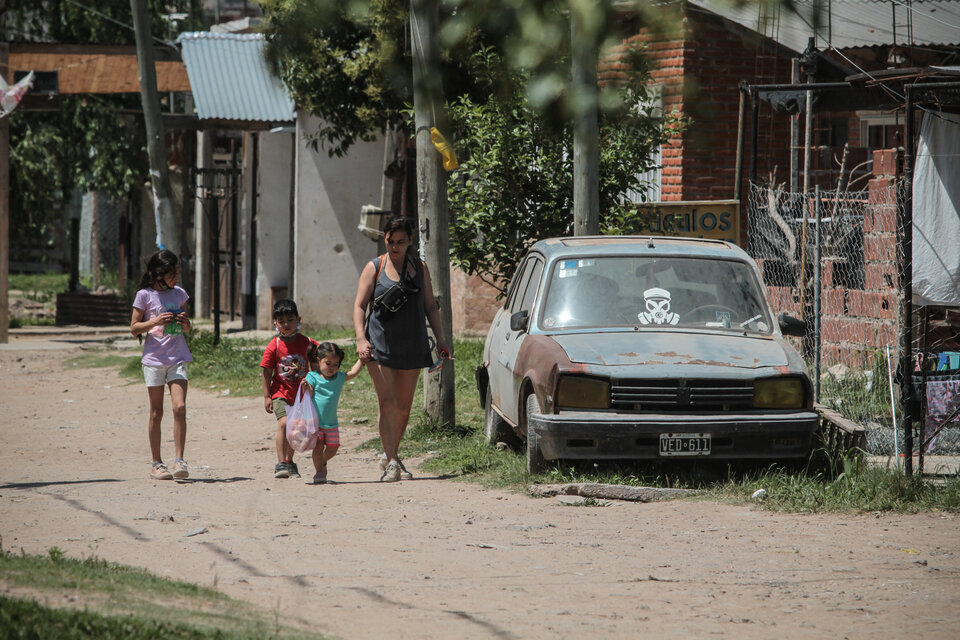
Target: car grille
{"points": [[681, 395]]}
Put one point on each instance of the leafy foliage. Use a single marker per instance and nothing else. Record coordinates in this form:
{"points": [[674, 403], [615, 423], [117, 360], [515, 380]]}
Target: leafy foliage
{"points": [[529, 34], [348, 64], [515, 181], [336, 60], [91, 142]]}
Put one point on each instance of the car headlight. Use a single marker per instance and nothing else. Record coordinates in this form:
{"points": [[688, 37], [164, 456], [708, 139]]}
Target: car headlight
{"points": [[778, 393], [578, 392]]}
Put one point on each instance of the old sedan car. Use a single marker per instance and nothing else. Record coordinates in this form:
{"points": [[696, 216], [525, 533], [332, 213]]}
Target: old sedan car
{"points": [[643, 348]]}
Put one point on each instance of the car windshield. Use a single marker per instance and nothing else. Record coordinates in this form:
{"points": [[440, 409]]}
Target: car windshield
{"points": [[654, 292]]}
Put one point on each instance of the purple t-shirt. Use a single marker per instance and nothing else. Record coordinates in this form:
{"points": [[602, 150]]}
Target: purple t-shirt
{"points": [[162, 349]]}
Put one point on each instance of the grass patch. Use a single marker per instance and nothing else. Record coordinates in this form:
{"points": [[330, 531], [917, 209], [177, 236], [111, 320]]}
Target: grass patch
{"points": [[123, 602], [101, 359], [853, 486], [25, 321], [40, 287]]}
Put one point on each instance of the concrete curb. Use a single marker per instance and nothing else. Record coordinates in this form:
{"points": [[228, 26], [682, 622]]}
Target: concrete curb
{"points": [[610, 492]]}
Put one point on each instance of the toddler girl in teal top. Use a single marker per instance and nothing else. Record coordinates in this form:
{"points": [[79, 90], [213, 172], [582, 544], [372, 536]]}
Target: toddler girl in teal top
{"points": [[325, 382]]}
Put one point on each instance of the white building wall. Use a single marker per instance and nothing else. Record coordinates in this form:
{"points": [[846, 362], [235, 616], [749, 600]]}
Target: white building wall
{"points": [[274, 217], [330, 250]]}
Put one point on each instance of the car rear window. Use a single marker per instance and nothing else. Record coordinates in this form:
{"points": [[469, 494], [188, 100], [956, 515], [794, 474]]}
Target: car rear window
{"points": [[655, 292]]}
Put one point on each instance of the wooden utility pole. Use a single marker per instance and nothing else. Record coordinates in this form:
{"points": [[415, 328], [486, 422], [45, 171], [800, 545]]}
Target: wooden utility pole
{"points": [[167, 234], [5, 204], [586, 130], [438, 389]]}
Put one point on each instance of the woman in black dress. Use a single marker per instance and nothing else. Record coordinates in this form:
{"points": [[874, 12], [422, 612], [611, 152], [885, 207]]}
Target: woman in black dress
{"points": [[392, 339]]}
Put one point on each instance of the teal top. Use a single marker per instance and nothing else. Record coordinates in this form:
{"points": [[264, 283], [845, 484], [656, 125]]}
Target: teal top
{"points": [[326, 396]]}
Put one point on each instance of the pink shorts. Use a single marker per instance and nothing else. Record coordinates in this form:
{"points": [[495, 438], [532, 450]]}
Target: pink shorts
{"points": [[329, 437]]}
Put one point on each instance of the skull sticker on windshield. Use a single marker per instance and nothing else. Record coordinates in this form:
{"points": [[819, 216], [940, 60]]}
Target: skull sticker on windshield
{"points": [[658, 308]]}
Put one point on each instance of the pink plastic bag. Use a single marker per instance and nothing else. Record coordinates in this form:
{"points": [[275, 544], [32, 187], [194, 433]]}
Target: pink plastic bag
{"points": [[302, 423]]}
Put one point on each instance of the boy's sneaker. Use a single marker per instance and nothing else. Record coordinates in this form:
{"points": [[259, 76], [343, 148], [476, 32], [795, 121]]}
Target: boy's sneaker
{"points": [[404, 474], [294, 472], [180, 469], [282, 470], [160, 472], [320, 477], [382, 462], [391, 472]]}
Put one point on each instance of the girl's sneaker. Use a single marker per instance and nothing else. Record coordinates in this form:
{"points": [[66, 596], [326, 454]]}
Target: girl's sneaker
{"points": [[382, 462], [282, 470], [180, 469], [160, 472]]}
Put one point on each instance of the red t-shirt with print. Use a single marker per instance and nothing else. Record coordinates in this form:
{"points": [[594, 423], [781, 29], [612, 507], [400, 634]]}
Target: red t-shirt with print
{"points": [[288, 359]]}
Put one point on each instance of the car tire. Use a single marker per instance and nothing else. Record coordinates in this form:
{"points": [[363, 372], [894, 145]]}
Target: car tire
{"points": [[495, 428], [535, 460]]}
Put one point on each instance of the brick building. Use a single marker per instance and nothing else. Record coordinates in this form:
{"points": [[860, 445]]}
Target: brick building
{"points": [[697, 72]]}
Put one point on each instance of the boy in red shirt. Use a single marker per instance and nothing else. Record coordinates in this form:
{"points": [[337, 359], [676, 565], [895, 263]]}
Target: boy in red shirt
{"points": [[285, 363]]}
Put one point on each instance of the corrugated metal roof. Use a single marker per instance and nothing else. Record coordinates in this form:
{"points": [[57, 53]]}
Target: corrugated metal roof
{"points": [[230, 78], [849, 23]]}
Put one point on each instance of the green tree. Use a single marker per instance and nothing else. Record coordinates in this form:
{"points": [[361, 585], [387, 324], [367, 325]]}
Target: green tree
{"points": [[515, 180], [349, 64], [93, 142]]}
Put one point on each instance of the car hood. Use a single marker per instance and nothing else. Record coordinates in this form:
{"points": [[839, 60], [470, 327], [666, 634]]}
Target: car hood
{"points": [[675, 349]]}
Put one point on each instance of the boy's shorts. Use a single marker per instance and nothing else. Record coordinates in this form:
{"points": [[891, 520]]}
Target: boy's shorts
{"points": [[280, 408], [329, 436], [159, 376]]}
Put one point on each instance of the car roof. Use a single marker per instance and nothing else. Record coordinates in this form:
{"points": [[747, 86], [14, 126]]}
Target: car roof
{"points": [[584, 246]]}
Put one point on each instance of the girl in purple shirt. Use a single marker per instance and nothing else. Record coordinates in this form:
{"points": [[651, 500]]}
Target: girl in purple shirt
{"points": [[160, 317]]}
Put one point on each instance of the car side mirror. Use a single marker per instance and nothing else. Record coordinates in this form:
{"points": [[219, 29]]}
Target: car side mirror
{"points": [[519, 321], [790, 326]]}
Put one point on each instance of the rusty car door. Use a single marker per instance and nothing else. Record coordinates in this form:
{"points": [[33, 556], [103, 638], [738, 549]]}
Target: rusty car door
{"points": [[505, 342]]}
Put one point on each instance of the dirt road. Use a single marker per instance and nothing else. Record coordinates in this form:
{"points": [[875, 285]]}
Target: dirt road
{"points": [[438, 558]]}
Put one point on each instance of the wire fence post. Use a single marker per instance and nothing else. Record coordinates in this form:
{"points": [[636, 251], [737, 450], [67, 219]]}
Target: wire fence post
{"points": [[817, 274]]}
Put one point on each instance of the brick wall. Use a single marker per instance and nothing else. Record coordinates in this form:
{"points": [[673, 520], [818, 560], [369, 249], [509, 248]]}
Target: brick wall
{"points": [[473, 304], [700, 70], [858, 323]]}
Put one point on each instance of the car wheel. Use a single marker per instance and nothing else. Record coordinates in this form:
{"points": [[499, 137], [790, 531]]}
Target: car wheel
{"points": [[535, 461], [495, 428]]}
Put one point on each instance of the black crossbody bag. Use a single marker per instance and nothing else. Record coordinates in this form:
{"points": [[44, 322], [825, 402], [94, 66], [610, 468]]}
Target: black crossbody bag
{"points": [[397, 295]]}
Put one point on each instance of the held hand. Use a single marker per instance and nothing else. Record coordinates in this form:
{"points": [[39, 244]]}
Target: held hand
{"points": [[182, 317], [305, 388], [163, 319], [364, 350]]}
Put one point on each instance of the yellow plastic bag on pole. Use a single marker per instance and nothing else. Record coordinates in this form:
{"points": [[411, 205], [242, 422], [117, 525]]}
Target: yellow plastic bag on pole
{"points": [[446, 150]]}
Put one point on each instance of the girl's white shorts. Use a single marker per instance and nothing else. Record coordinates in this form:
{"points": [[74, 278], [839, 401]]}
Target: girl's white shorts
{"points": [[159, 376]]}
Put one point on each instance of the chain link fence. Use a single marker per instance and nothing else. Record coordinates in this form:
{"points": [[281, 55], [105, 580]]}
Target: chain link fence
{"points": [[830, 258]]}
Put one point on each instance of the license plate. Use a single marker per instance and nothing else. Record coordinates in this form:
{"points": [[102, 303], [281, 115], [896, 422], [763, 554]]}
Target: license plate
{"points": [[684, 444]]}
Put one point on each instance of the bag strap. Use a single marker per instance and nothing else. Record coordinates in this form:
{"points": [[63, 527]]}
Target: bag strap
{"points": [[376, 277], [379, 268]]}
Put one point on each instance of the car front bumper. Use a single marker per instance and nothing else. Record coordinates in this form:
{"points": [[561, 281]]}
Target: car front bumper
{"points": [[580, 435]]}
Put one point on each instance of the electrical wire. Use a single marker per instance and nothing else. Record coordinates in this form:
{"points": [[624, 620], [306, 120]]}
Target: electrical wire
{"points": [[927, 16], [117, 22]]}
